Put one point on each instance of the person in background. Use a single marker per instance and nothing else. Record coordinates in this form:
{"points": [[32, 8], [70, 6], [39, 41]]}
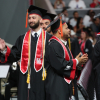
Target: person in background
{"points": [[73, 21], [46, 21], [86, 42], [77, 4], [79, 27], [65, 14], [96, 66], [95, 4], [87, 20], [12, 80], [59, 4], [96, 25]]}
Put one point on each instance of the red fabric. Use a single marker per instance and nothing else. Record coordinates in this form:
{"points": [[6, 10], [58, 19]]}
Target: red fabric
{"points": [[72, 76], [31, 2], [24, 54], [93, 5], [67, 57], [39, 55], [6, 55], [82, 46]]}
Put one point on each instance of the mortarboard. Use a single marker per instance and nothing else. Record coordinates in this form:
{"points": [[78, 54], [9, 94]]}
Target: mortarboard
{"points": [[57, 24], [49, 16], [35, 10]]}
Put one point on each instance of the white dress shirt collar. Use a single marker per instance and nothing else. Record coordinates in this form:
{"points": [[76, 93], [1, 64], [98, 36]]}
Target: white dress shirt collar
{"points": [[38, 32], [64, 42]]}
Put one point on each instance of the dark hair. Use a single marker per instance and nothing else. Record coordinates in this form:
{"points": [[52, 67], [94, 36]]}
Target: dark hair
{"points": [[75, 12], [78, 21], [54, 32]]}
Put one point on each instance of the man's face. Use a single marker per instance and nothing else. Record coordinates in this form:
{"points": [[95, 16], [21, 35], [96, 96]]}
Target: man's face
{"points": [[65, 13], [66, 31], [97, 21], [44, 24], [76, 15], [34, 21]]}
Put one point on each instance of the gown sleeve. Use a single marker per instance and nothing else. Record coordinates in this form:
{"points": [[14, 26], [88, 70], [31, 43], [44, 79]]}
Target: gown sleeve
{"points": [[13, 54], [55, 56]]}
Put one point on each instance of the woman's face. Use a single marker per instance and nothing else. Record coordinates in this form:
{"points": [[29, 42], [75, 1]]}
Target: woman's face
{"points": [[83, 35]]}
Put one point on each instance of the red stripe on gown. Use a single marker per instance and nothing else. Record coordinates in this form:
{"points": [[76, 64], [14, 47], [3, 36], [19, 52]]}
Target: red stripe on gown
{"points": [[67, 57]]}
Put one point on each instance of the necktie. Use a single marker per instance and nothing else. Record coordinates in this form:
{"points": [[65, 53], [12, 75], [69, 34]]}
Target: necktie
{"points": [[35, 36]]}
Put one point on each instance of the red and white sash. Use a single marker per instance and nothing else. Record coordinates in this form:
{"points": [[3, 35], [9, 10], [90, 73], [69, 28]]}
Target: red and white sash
{"points": [[38, 61], [67, 57]]}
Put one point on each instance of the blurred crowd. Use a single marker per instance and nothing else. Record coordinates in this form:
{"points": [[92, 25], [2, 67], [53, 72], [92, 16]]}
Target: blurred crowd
{"points": [[74, 4], [82, 28]]}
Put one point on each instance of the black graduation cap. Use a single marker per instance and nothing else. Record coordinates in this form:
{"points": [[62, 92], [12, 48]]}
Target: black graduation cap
{"points": [[36, 10], [49, 16], [56, 24]]}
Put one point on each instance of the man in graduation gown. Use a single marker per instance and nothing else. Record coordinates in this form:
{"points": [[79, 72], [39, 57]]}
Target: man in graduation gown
{"points": [[60, 83], [46, 21], [29, 47]]}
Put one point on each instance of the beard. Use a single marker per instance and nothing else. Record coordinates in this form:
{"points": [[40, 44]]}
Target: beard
{"points": [[66, 36], [36, 25]]}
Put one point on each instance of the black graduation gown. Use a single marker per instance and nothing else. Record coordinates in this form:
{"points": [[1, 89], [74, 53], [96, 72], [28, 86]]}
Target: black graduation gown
{"points": [[55, 85], [96, 67], [75, 48], [88, 48], [36, 91]]}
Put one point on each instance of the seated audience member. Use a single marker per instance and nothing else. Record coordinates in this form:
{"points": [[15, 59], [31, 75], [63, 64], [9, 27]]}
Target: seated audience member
{"points": [[12, 80], [95, 3], [96, 25], [65, 14], [59, 4], [73, 21], [77, 4], [87, 20], [79, 26]]}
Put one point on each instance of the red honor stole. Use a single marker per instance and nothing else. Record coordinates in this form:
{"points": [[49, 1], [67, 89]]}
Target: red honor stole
{"points": [[25, 55], [67, 57], [82, 46]]}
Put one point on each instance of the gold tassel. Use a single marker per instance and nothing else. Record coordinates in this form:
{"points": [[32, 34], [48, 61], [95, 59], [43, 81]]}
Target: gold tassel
{"points": [[44, 74], [28, 78], [69, 43]]}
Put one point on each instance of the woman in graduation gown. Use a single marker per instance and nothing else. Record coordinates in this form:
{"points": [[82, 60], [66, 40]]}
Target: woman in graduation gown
{"points": [[86, 42], [60, 83], [28, 48]]}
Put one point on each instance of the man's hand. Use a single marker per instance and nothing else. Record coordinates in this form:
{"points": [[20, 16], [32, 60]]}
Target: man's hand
{"points": [[2, 45], [83, 59]]}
